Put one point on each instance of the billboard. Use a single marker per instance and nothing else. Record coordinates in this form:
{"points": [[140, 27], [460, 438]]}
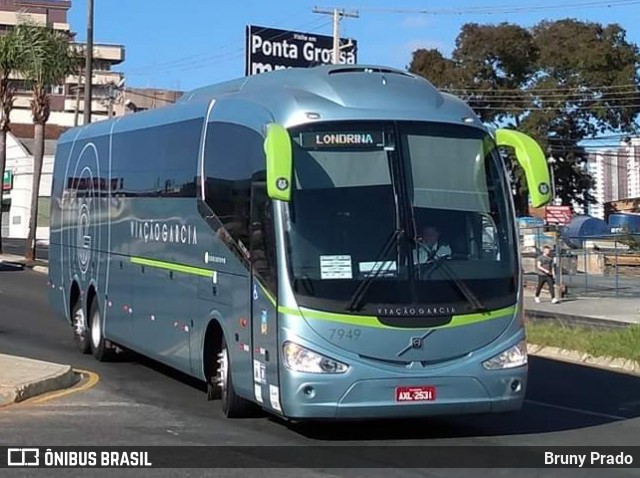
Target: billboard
{"points": [[271, 49]]}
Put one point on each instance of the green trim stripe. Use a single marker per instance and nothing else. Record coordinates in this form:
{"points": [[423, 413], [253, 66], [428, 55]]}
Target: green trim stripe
{"points": [[372, 321], [172, 266]]}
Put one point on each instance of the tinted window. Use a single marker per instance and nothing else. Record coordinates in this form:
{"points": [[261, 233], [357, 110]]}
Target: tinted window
{"points": [[158, 161], [234, 156]]}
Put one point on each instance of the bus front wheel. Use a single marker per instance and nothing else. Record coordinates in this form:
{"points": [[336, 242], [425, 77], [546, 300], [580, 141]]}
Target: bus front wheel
{"points": [[233, 405]]}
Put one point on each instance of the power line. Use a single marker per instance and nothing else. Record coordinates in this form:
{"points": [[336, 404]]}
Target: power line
{"points": [[204, 56], [577, 89], [494, 10], [211, 60]]}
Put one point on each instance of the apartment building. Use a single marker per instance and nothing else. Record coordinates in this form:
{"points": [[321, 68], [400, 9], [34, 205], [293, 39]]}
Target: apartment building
{"points": [[67, 100], [67, 110], [616, 173]]}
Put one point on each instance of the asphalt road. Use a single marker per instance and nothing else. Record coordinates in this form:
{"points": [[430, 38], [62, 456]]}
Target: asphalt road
{"points": [[16, 246], [138, 402]]}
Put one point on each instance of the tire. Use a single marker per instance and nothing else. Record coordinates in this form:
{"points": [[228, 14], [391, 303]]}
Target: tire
{"points": [[81, 334], [233, 405], [99, 347]]}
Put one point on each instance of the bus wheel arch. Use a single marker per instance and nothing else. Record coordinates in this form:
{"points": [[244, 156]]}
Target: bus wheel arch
{"points": [[78, 316], [217, 368], [212, 347]]}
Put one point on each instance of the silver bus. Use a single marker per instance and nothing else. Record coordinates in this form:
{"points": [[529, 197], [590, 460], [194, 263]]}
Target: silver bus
{"points": [[336, 242]]}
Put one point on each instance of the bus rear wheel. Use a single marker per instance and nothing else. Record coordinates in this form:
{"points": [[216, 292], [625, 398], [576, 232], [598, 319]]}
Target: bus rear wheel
{"points": [[233, 405], [80, 330], [99, 348]]}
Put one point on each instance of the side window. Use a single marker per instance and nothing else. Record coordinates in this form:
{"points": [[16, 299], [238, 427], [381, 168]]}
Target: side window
{"points": [[179, 145], [263, 251], [233, 154], [158, 161]]}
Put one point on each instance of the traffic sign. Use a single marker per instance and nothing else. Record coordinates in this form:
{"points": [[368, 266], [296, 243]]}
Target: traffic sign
{"points": [[559, 215], [7, 180]]}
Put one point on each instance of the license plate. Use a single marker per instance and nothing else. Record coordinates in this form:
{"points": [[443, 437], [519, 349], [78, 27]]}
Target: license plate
{"points": [[415, 394]]}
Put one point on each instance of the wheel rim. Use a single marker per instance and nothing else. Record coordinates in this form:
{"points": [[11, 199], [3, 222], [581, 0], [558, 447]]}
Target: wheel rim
{"points": [[223, 370], [79, 323], [96, 333]]}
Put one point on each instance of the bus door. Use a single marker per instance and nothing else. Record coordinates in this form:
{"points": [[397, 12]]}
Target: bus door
{"points": [[264, 317]]}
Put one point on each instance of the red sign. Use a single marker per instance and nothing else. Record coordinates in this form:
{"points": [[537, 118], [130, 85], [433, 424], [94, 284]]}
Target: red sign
{"points": [[415, 394], [560, 215]]}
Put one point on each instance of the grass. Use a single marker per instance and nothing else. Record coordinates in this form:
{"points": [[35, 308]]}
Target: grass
{"points": [[623, 343]]}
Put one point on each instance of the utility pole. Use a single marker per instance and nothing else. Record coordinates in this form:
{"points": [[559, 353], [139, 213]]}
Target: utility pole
{"points": [[89, 65], [338, 14], [76, 113]]}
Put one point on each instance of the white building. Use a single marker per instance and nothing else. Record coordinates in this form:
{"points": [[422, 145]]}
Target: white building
{"points": [[616, 173], [16, 200], [631, 151]]}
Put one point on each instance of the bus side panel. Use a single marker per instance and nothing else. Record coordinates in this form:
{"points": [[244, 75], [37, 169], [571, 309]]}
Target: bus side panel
{"points": [[85, 218], [58, 286], [157, 237], [164, 291]]}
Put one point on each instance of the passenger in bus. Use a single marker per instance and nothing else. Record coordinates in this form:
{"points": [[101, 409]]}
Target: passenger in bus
{"points": [[430, 247]]}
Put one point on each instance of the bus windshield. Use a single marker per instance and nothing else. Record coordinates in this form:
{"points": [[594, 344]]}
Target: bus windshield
{"points": [[376, 207]]}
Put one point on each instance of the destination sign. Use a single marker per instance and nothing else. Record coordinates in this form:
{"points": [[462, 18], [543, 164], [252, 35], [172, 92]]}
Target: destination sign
{"points": [[342, 139]]}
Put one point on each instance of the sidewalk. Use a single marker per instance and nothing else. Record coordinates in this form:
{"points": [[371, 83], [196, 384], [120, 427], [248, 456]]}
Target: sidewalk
{"points": [[24, 378], [598, 312], [13, 260]]}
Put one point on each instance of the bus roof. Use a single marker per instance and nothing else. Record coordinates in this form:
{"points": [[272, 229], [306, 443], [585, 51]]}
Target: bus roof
{"points": [[296, 96], [340, 92]]}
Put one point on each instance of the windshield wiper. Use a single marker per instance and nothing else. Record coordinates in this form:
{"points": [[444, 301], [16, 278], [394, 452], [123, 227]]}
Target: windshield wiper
{"points": [[462, 287], [354, 302]]}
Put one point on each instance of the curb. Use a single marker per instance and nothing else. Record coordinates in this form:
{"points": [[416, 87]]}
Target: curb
{"points": [[583, 358], [24, 391], [564, 318], [21, 262]]}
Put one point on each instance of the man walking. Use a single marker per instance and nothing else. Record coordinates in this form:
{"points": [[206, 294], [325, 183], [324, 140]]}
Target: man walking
{"points": [[544, 268]]}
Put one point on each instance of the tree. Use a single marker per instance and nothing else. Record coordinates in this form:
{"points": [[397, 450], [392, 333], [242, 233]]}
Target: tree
{"points": [[47, 60], [561, 82], [9, 63]]}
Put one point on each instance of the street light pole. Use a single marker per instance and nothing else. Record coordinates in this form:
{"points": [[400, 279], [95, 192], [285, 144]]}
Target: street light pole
{"points": [[88, 93]]}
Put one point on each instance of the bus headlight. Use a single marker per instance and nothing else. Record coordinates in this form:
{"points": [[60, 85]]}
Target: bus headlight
{"points": [[301, 359], [515, 356]]}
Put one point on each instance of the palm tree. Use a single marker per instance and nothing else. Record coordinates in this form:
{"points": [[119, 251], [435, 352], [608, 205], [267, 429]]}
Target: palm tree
{"points": [[9, 63], [47, 60]]}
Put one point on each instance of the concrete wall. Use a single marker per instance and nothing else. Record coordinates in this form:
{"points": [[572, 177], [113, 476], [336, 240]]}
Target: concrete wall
{"points": [[20, 162]]}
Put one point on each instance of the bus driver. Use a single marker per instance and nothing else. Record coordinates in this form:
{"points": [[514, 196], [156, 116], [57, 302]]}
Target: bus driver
{"points": [[429, 247]]}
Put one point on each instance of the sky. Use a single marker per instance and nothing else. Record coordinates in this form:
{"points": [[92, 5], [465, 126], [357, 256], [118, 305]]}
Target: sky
{"points": [[186, 44]]}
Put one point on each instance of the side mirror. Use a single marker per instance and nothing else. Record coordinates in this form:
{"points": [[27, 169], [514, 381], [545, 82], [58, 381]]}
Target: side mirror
{"points": [[279, 155], [532, 160]]}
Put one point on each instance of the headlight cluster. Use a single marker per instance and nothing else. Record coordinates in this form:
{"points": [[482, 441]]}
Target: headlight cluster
{"points": [[301, 359], [515, 356]]}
